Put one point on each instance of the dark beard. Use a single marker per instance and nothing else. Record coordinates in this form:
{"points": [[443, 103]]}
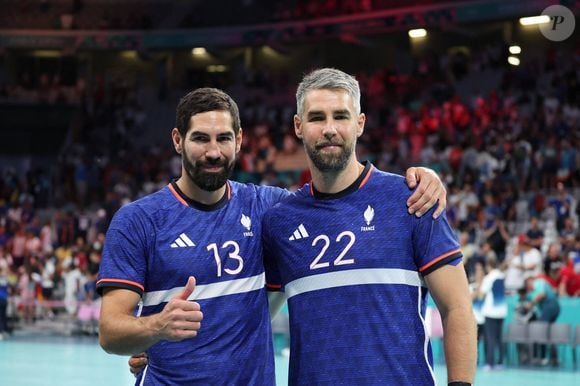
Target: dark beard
{"points": [[329, 162], [209, 182]]}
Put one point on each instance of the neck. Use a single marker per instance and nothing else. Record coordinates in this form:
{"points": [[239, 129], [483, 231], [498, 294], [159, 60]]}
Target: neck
{"points": [[336, 181], [195, 193]]}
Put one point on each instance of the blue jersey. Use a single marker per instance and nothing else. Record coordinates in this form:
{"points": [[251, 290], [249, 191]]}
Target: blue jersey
{"points": [[154, 244], [351, 265]]}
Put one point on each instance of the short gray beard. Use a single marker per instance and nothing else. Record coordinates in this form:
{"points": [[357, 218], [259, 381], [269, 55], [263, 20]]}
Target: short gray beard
{"points": [[329, 163]]}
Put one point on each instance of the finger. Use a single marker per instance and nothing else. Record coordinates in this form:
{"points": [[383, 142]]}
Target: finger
{"points": [[187, 290], [179, 335], [418, 199], [180, 307], [426, 202], [189, 316], [137, 362], [441, 207], [140, 355], [186, 326], [411, 177], [136, 369]]}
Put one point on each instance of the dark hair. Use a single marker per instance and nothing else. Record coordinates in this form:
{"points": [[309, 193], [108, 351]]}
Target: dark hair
{"points": [[203, 100]]}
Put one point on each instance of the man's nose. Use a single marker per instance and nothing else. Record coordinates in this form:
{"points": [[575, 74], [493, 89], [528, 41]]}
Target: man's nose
{"points": [[329, 129], [212, 150]]}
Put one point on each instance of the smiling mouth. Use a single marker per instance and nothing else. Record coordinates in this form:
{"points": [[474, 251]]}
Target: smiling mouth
{"points": [[328, 146], [212, 168]]}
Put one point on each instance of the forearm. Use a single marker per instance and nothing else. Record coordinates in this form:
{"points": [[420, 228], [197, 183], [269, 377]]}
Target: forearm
{"points": [[460, 341], [127, 334], [275, 302]]}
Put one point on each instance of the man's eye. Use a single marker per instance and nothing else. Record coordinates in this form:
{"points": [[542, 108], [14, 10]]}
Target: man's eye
{"points": [[199, 139], [224, 139], [316, 119]]}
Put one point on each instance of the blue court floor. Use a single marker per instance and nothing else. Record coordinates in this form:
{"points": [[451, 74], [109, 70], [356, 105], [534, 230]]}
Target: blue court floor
{"points": [[79, 361]]}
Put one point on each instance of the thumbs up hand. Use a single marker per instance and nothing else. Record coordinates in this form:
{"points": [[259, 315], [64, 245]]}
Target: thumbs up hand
{"points": [[181, 318]]}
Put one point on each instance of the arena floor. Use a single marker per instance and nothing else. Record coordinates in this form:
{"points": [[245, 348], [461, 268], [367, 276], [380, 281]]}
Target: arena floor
{"points": [[46, 360]]}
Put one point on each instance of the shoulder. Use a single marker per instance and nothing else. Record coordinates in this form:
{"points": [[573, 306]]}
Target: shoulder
{"points": [[144, 207], [264, 196], [388, 182], [291, 200], [257, 190]]}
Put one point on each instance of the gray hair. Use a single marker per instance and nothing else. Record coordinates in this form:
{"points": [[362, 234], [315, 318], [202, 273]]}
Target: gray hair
{"points": [[328, 79]]}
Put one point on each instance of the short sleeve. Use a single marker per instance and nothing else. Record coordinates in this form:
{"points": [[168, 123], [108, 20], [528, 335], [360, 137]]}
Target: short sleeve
{"points": [[124, 261], [434, 243]]}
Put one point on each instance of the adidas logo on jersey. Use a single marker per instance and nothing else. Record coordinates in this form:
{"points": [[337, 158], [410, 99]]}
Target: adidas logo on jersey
{"points": [[368, 215], [247, 223], [299, 233], [182, 242]]}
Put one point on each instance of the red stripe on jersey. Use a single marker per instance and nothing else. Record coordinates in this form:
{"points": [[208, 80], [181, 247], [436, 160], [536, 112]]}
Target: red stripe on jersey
{"points": [[133, 283], [179, 198], [273, 286], [364, 181], [421, 269]]}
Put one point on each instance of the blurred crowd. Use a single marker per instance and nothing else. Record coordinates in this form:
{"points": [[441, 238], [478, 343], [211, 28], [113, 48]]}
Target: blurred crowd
{"points": [[152, 14], [509, 155]]}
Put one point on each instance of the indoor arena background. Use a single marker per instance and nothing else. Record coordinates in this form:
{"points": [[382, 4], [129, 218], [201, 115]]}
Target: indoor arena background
{"points": [[88, 90]]}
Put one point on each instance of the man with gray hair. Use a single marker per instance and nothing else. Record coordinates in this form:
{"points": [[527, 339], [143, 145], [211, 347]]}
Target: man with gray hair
{"points": [[355, 265]]}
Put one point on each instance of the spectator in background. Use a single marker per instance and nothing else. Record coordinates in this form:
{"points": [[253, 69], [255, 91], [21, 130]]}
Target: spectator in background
{"points": [[567, 234], [524, 260], [544, 299], [477, 301], [5, 258], [470, 255], [552, 265], [3, 301], [90, 307], [18, 247], [535, 234], [570, 273], [496, 235], [562, 204], [73, 282], [494, 310]]}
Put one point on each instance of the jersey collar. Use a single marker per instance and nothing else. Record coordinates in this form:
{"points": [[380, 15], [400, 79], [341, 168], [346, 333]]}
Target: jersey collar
{"points": [[356, 185], [181, 197]]}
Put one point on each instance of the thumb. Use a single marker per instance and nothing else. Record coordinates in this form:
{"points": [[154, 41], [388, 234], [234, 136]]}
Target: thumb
{"points": [[411, 177], [187, 290]]}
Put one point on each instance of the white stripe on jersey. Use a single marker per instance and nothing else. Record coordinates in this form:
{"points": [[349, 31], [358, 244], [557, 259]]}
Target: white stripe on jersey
{"points": [[426, 342], [353, 277], [208, 291]]}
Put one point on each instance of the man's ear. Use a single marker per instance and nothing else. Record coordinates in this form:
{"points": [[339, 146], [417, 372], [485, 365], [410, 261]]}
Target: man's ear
{"points": [[361, 124], [297, 126], [239, 138], [177, 140]]}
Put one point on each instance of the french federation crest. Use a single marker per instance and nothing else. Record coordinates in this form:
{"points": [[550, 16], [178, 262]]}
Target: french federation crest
{"points": [[368, 215], [247, 223]]}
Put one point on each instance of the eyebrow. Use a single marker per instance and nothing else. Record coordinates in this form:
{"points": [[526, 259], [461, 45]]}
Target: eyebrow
{"points": [[225, 133], [316, 113]]}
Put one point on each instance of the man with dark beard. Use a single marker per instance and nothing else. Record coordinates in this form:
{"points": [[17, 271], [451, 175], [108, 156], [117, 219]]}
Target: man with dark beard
{"points": [[355, 265], [205, 226]]}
